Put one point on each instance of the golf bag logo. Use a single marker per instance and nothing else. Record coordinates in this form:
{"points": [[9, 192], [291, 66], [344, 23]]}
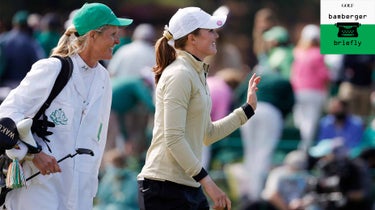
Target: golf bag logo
{"points": [[58, 117], [347, 29]]}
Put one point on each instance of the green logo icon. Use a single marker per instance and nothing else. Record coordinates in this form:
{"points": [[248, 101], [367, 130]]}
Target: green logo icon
{"points": [[58, 117]]}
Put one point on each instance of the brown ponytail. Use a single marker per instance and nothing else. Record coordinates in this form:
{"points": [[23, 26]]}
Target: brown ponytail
{"points": [[165, 55]]}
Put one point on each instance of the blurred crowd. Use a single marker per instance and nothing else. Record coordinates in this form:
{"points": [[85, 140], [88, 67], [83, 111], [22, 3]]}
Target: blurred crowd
{"points": [[323, 103]]}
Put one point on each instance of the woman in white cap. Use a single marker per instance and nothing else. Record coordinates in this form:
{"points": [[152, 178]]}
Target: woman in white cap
{"points": [[80, 114], [173, 174]]}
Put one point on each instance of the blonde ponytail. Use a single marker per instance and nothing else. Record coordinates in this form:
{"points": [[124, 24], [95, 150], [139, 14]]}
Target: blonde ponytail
{"points": [[70, 43]]}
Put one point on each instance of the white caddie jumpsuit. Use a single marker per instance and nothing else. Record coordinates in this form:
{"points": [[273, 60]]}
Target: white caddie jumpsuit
{"points": [[81, 114]]}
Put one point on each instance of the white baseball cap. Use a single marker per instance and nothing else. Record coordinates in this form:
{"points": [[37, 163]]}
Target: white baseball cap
{"points": [[310, 32], [187, 19]]}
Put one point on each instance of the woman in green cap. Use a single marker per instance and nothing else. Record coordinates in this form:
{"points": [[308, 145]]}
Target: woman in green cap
{"points": [[79, 113]]}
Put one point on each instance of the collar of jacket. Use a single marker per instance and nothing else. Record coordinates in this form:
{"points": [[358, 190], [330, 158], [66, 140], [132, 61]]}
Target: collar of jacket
{"points": [[197, 65]]}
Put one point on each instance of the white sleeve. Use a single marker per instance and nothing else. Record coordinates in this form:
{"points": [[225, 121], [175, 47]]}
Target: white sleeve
{"points": [[26, 99]]}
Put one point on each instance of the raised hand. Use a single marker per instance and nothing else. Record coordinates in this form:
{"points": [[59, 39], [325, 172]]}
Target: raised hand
{"points": [[251, 91]]}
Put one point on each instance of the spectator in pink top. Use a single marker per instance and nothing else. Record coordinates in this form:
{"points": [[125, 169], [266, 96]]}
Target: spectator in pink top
{"points": [[221, 95], [310, 79]]}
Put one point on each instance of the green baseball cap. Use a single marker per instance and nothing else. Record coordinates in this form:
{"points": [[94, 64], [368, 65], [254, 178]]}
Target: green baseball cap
{"points": [[276, 33], [95, 15], [20, 17]]}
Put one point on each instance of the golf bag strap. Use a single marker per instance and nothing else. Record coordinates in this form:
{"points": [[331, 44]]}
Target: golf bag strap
{"points": [[61, 80], [40, 126]]}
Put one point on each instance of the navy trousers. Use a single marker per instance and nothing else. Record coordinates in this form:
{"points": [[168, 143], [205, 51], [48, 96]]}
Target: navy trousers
{"points": [[166, 195]]}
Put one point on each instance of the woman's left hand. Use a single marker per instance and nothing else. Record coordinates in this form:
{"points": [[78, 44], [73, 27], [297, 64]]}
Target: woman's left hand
{"points": [[251, 91]]}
